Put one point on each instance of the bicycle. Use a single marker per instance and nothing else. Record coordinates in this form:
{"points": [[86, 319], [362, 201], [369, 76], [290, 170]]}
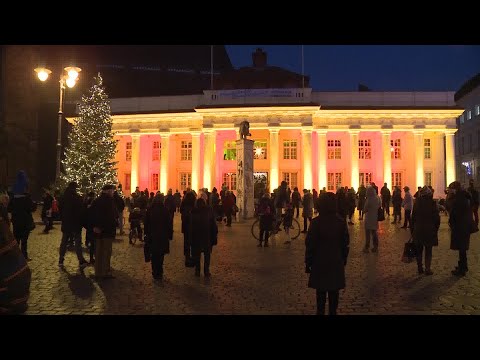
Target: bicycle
{"points": [[133, 235], [294, 231]]}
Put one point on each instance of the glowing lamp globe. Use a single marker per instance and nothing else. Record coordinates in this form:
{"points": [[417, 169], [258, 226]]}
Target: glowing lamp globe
{"points": [[42, 73]]}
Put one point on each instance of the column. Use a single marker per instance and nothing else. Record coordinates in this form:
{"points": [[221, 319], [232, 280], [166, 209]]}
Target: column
{"points": [[209, 140], [419, 155], [135, 170], [354, 177], [450, 155], [165, 150], [322, 159], [196, 155], [273, 159], [307, 157], [439, 166], [387, 158]]}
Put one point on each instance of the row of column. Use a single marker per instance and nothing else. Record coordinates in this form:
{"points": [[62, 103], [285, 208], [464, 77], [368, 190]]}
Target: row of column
{"points": [[209, 158]]}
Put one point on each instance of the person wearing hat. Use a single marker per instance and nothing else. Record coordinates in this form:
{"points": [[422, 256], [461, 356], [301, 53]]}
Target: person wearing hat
{"points": [[460, 222], [474, 200], [72, 223], [424, 227], [104, 222], [407, 205]]}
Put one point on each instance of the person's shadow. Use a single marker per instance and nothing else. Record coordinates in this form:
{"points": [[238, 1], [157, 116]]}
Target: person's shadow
{"points": [[79, 284]]}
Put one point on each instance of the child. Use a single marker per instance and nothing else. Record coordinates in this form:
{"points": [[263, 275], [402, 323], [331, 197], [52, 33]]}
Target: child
{"points": [[135, 219], [287, 220]]}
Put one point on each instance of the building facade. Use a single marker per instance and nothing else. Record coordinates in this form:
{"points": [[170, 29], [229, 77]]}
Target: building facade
{"points": [[468, 134], [310, 139]]}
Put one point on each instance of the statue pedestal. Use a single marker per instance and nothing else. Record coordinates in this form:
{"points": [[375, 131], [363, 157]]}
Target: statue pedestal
{"points": [[245, 178]]}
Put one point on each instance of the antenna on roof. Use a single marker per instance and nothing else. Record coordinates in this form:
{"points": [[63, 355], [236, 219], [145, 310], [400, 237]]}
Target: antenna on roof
{"points": [[303, 71], [211, 67]]}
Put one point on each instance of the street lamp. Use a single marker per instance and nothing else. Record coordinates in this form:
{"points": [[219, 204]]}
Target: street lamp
{"points": [[69, 79]]}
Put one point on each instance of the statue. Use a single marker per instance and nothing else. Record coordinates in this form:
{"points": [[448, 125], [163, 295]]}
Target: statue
{"points": [[244, 129]]}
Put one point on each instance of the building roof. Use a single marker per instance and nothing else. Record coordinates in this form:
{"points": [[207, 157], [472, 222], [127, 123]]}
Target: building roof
{"points": [[468, 87]]}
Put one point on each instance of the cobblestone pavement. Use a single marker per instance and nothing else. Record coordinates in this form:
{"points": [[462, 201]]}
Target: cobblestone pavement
{"points": [[251, 280]]}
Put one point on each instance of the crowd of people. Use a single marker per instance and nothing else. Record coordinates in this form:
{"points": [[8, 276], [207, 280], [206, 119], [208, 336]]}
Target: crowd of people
{"points": [[326, 242]]}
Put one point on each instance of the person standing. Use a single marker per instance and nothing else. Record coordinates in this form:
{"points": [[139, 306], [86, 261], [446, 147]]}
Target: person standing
{"points": [[169, 202], [307, 213], [474, 200], [203, 230], [296, 197], [104, 222], [21, 207], [266, 212], [47, 212], [362, 193], [72, 219], [351, 199], [228, 204], [460, 222], [372, 204], [186, 207], [178, 200], [158, 231], [120, 203], [424, 227], [397, 205], [386, 196], [326, 252], [87, 217], [407, 206]]}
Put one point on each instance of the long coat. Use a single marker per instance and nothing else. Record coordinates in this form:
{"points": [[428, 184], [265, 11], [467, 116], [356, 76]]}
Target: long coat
{"points": [[104, 215], [21, 207], [425, 221], [158, 228], [460, 221], [372, 204], [307, 203], [203, 229], [266, 212], [72, 211], [362, 193], [327, 245]]}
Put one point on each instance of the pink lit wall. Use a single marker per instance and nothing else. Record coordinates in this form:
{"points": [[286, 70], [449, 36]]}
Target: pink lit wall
{"points": [[123, 167]]}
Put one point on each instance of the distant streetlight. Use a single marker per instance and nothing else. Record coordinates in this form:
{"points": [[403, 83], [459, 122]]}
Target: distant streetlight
{"points": [[69, 79]]}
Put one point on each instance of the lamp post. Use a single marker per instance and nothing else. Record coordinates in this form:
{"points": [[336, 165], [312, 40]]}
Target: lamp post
{"points": [[68, 78]]}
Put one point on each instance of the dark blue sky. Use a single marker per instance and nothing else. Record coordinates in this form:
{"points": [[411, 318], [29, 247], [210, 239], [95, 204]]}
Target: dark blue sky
{"points": [[380, 67]]}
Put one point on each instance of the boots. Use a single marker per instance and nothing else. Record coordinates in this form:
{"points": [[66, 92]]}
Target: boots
{"points": [[460, 270]]}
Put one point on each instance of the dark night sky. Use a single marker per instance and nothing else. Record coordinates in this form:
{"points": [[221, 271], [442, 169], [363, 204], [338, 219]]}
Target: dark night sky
{"points": [[380, 67]]}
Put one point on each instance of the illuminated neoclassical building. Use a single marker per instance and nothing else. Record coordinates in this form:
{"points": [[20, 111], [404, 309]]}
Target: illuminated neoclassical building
{"points": [[310, 139]]}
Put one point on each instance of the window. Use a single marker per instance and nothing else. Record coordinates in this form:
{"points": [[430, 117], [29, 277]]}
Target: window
{"points": [[469, 142], [364, 149], [469, 114], [461, 118], [128, 182], [156, 151], [395, 148], [477, 110], [260, 150], [128, 151], [230, 180], [365, 178], [185, 180], [229, 150], [154, 184], [291, 179], [428, 179], [290, 149], [397, 180], [334, 149], [334, 181], [427, 151], [186, 150]]}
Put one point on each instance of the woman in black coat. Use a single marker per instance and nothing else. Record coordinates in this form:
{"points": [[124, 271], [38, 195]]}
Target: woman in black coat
{"points": [[461, 222], [266, 212], [327, 247], [186, 207], [203, 230], [424, 227], [158, 230]]}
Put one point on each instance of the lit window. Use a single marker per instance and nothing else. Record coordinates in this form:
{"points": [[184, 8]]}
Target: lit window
{"points": [[334, 149], [427, 151], [397, 180], [428, 179], [186, 150], [154, 185], [290, 178], [290, 149], [185, 180], [395, 148], [334, 181], [156, 151], [477, 110], [229, 150], [469, 114], [365, 179], [364, 149], [461, 118], [260, 149], [128, 151], [230, 180]]}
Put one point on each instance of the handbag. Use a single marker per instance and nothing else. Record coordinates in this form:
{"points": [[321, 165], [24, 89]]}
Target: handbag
{"points": [[409, 251], [381, 214]]}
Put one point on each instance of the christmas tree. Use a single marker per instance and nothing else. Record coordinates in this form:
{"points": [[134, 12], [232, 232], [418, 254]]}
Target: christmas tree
{"points": [[89, 157]]}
